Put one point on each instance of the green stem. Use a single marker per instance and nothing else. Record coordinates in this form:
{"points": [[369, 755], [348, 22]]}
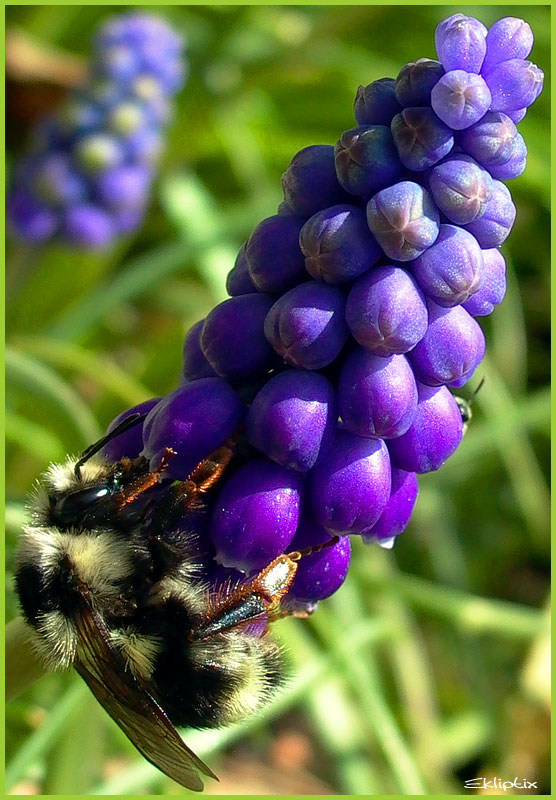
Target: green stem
{"points": [[23, 667]]}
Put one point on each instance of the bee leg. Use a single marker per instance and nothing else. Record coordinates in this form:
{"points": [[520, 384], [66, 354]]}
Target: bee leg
{"points": [[137, 487]]}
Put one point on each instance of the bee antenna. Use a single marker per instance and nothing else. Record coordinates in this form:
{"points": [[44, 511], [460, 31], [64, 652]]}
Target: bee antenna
{"points": [[476, 391], [124, 425], [297, 555]]}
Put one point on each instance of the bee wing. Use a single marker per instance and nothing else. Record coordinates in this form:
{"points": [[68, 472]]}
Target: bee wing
{"points": [[131, 705]]}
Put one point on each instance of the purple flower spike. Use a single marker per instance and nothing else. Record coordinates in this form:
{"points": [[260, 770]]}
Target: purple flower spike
{"points": [[421, 138], [88, 226], [416, 80], [292, 419], [238, 280], [508, 38], [233, 340], [386, 311], [366, 160], [307, 325], [310, 183], [256, 515], [434, 435], [451, 270], [493, 228], [376, 103], [493, 288], [460, 188], [377, 396], [514, 84], [396, 515], [338, 245], [451, 349], [274, 259], [130, 443], [460, 43], [320, 574], [195, 365], [460, 99], [193, 420], [349, 488], [404, 220]]}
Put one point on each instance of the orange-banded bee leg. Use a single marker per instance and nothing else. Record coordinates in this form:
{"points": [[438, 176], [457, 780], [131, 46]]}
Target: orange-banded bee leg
{"points": [[144, 482]]}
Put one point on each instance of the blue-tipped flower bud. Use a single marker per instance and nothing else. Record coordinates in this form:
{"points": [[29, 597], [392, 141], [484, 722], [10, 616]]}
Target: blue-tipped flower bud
{"points": [[493, 287], [396, 515], [460, 99], [376, 103], [366, 160], [494, 226], [416, 80], [514, 84], [273, 256], [128, 444], [460, 188], [310, 183], [238, 280], [421, 138], [195, 364], [460, 43], [320, 574], [508, 38]]}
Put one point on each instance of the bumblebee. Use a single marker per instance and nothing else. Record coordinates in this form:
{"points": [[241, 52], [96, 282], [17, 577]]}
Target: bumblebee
{"points": [[109, 579]]}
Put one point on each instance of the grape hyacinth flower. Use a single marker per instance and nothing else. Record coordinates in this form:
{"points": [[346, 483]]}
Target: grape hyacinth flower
{"points": [[353, 314], [89, 181]]}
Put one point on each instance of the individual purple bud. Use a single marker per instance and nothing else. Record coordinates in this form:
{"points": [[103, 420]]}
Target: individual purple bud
{"points": [[284, 210], [493, 227], [349, 488], [421, 139], [514, 84], [416, 80], [310, 183], [517, 116], [307, 325], [124, 187], [292, 419], [452, 347], [460, 188], [396, 515], [144, 146], [99, 152], [29, 219], [55, 182], [193, 420], [460, 43], [451, 270], [88, 226], [506, 39], [274, 259], [434, 434], [255, 515], [128, 444], [460, 98], [386, 311], [195, 365], [491, 141], [233, 340], [118, 63], [338, 245], [516, 163], [366, 160], [493, 288], [404, 220], [320, 574], [376, 103], [238, 280], [377, 395]]}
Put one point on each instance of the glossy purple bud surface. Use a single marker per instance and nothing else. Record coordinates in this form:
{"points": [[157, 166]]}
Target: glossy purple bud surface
{"points": [[451, 349], [460, 43], [349, 488], [416, 80], [451, 270], [386, 311], [88, 226], [307, 325], [396, 515], [255, 515], [434, 434], [460, 188], [460, 99], [377, 396], [233, 340], [320, 574], [421, 138], [493, 228], [193, 420], [516, 163], [404, 220], [338, 245], [274, 259], [195, 365], [490, 141], [292, 419], [366, 160], [376, 104], [128, 444], [508, 38], [493, 288], [238, 280], [310, 183], [514, 84]]}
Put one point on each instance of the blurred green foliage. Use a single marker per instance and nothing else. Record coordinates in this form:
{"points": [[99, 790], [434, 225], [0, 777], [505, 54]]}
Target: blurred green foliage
{"points": [[430, 665]]}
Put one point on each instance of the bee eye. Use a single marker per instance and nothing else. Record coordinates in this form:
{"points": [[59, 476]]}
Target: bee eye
{"points": [[74, 504]]}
